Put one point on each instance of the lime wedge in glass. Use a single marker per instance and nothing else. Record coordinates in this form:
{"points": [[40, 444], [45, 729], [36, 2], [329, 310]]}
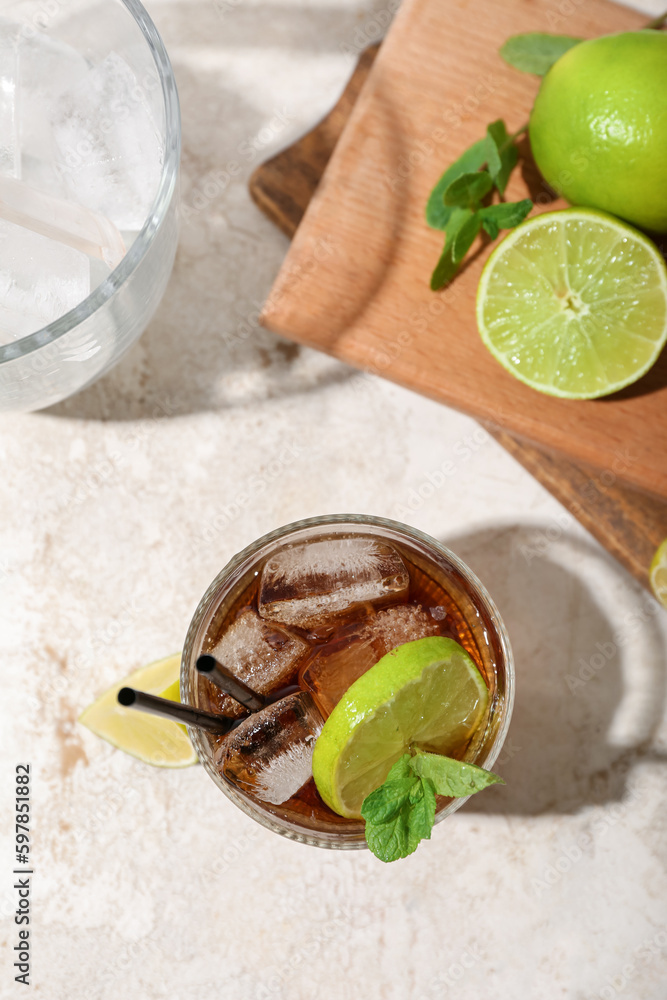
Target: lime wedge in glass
{"points": [[152, 739], [426, 694], [658, 573], [574, 303]]}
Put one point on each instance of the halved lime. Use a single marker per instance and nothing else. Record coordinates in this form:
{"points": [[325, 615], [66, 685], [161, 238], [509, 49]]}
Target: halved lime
{"points": [[152, 739], [658, 573], [574, 303], [426, 694]]}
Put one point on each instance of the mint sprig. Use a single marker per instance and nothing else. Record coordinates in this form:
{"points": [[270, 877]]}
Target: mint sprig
{"points": [[506, 215], [503, 154], [401, 812], [456, 203], [437, 213]]}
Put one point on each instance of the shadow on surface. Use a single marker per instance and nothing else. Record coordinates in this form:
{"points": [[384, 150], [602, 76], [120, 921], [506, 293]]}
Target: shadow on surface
{"points": [[236, 23], [560, 753], [204, 348]]}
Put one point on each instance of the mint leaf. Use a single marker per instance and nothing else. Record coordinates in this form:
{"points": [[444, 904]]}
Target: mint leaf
{"points": [[502, 154], [468, 189], [506, 215], [536, 52], [494, 161], [455, 203], [401, 812], [437, 213], [401, 769], [422, 813], [490, 226], [386, 802], [390, 839], [465, 237], [387, 812], [447, 267], [453, 778]]}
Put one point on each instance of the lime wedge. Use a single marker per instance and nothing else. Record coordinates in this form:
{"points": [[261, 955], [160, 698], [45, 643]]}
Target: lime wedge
{"points": [[152, 739], [574, 303], [426, 694], [658, 573]]}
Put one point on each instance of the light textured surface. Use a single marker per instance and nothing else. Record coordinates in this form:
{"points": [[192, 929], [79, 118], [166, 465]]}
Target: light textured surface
{"points": [[120, 506]]}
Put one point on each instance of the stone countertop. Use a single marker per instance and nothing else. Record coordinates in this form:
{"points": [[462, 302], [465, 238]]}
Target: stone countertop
{"points": [[120, 505]]}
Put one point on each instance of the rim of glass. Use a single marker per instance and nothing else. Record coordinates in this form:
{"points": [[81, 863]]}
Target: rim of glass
{"points": [[254, 811], [64, 324]]}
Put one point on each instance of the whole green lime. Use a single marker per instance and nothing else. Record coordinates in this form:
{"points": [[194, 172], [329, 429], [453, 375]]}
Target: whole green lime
{"points": [[598, 129]]}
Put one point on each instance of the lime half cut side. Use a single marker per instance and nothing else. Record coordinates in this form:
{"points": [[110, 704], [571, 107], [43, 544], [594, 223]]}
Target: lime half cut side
{"points": [[574, 303], [658, 573], [427, 694], [152, 739]]}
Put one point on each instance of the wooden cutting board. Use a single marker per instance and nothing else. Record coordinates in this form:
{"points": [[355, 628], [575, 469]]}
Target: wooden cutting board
{"points": [[355, 281], [628, 522]]}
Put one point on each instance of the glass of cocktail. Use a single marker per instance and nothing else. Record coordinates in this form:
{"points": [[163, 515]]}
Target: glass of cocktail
{"points": [[306, 611]]}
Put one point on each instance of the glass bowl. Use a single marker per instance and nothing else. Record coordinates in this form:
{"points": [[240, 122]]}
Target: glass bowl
{"points": [[46, 366]]}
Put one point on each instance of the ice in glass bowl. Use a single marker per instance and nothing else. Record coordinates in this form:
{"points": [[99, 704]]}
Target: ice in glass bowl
{"points": [[89, 165]]}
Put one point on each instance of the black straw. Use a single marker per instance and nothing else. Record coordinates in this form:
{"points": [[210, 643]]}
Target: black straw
{"points": [[230, 684], [174, 710]]}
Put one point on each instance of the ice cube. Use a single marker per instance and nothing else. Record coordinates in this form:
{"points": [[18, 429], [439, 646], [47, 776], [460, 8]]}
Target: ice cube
{"points": [[269, 755], [311, 583], [10, 149], [109, 147], [62, 221], [47, 67], [260, 653], [354, 649], [40, 280]]}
